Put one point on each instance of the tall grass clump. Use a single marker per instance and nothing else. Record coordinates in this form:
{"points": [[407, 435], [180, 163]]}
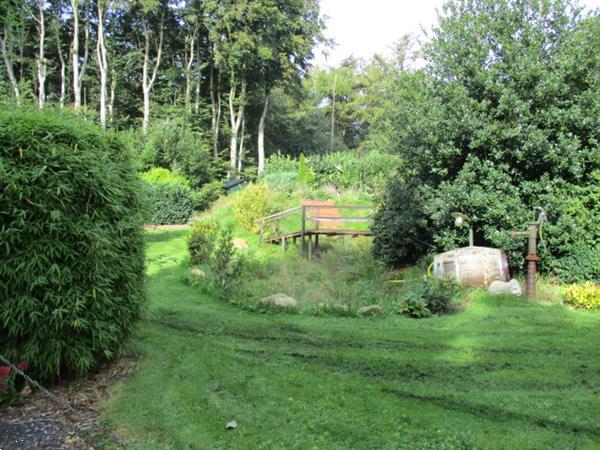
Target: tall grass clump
{"points": [[72, 250]]}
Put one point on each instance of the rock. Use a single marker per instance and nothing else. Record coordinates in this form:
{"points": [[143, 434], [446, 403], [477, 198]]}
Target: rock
{"points": [[370, 310], [503, 287], [239, 243], [198, 273], [279, 300], [231, 425]]}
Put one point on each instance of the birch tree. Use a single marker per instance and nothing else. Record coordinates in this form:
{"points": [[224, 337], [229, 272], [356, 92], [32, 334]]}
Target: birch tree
{"points": [[12, 21], [41, 62], [102, 7], [78, 64], [149, 74], [61, 58]]}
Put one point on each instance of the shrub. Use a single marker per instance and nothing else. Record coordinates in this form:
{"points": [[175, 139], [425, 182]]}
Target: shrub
{"points": [[72, 253], [161, 175], [201, 240], [350, 170], [207, 195], [251, 204], [167, 198], [280, 163], [399, 226], [413, 307], [305, 174], [281, 180], [586, 295], [175, 146], [432, 294], [225, 268]]}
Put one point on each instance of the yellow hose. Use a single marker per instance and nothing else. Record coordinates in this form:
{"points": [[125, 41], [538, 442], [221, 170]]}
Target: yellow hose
{"points": [[429, 271]]}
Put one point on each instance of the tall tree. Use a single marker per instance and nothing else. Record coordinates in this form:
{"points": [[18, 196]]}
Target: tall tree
{"points": [[41, 62], [149, 73], [11, 38], [78, 64], [102, 7]]}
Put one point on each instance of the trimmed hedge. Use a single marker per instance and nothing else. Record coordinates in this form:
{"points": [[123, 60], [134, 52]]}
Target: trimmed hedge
{"points": [[72, 249], [167, 198]]}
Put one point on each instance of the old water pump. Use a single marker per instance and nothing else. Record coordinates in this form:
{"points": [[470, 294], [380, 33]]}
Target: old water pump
{"points": [[532, 258]]}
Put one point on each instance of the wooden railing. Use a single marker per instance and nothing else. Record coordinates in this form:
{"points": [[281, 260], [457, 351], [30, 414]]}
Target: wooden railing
{"points": [[312, 220]]}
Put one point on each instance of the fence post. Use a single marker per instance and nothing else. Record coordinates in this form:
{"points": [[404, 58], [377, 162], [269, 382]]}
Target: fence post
{"points": [[303, 233], [262, 230]]}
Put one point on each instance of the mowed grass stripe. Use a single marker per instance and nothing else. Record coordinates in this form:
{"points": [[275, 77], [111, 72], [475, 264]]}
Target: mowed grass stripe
{"points": [[503, 374]]}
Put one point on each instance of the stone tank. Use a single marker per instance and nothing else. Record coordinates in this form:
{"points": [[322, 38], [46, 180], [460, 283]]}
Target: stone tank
{"points": [[472, 266]]}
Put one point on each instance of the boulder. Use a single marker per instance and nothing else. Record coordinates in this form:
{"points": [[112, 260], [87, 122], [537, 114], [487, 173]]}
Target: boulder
{"points": [[370, 310], [239, 244], [505, 287], [198, 272], [279, 300]]}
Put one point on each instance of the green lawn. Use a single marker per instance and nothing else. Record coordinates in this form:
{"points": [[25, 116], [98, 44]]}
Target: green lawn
{"points": [[506, 373]]}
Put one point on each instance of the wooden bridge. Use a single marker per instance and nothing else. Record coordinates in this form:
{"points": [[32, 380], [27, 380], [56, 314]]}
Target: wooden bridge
{"points": [[313, 218]]}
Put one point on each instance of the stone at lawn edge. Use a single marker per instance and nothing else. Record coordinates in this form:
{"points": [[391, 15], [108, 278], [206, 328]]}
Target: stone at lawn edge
{"points": [[370, 310], [239, 244], [279, 300], [505, 287], [198, 272]]}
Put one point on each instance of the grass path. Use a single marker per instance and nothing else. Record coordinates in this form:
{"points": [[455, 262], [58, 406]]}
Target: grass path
{"points": [[505, 374]]}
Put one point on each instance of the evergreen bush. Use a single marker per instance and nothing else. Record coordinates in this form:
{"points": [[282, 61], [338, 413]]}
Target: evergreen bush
{"points": [[305, 174], [201, 240], [167, 198], [72, 249], [251, 204]]}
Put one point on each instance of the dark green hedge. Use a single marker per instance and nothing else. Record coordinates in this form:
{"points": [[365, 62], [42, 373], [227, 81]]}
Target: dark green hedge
{"points": [[168, 203], [71, 246]]}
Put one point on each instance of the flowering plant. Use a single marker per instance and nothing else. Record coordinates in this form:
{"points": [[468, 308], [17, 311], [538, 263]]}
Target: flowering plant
{"points": [[12, 384]]}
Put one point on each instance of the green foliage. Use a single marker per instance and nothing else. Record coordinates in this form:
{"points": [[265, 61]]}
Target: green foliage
{"points": [[225, 268], [168, 203], [250, 205], [281, 180], [367, 172], [280, 163], [430, 296], [305, 174], [162, 175], [586, 295], [201, 240], [167, 198], [71, 259], [176, 147], [414, 307], [496, 126], [207, 195], [400, 226]]}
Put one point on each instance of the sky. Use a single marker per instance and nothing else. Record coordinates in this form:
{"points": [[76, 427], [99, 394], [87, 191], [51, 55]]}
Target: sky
{"points": [[365, 27]]}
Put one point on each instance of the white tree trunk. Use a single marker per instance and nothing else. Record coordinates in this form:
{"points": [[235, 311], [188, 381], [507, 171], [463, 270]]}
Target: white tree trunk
{"points": [[41, 59], [77, 67], [215, 104], [235, 117], [241, 152], [8, 62], [111, 103], [188, 72], [261, 136], [63, 64], [333, 112], [102, 62], [147, 79]]}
